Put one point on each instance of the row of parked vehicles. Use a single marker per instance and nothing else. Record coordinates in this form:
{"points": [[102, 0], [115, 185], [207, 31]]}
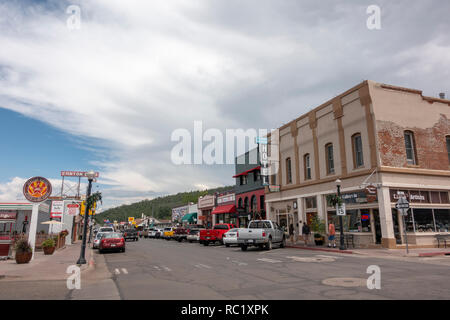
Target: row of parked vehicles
{"points": [[109, 239], [260, 233]]}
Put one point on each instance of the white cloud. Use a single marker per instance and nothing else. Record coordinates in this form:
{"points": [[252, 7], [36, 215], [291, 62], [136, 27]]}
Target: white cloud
{"points": [[137, 70]]}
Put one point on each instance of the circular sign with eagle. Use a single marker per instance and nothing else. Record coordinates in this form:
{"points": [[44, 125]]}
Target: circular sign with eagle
{"points": [[37, 189]]}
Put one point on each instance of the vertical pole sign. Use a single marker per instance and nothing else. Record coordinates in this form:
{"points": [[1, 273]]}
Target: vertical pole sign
{"points": [[403, 206], [262, 142], [36, 190]]}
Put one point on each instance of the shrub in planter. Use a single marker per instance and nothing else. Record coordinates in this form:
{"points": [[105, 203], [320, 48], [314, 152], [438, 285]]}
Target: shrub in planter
{"points": [[24, 252], [318, 227], [49, 246]]}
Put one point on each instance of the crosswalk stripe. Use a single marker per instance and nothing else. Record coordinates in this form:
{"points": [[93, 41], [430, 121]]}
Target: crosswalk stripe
{"points": [[270, 260], [124, 271], [116, 271]]}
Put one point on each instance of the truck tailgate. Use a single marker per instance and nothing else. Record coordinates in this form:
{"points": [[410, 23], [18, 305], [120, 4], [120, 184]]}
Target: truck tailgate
{"points": [[250, 234]]}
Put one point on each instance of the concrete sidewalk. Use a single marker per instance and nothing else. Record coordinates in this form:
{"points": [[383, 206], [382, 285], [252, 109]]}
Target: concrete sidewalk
{"points": [[379, 252], [45, 267]]}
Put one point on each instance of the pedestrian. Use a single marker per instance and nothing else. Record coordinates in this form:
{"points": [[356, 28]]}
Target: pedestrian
{"points": [[306, 231], [331, 235], [291, 232]]}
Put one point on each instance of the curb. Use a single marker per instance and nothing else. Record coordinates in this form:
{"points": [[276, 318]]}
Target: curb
{"points": [[320, 249], [431, 254]]}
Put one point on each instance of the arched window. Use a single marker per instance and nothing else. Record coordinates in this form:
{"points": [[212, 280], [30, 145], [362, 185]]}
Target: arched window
{"points": [[246, 204], [288, 171], [358, 159], [410, 147], [447, 138], [307, 166], [254, 204], [240, 203], [329, 158]]}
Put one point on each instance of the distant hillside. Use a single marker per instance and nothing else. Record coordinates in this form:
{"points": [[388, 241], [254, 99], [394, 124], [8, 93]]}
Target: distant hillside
{"points": [[161, 206]]}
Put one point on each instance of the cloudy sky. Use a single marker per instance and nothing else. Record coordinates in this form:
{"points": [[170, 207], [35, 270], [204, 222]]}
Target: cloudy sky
{"points": [[108, 95]]}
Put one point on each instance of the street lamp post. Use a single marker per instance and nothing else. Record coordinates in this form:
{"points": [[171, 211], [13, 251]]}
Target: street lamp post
{"points": [[82, 260], [341, 225]]}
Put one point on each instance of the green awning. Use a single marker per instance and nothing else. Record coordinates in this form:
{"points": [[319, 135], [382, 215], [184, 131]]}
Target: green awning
{"points": [[189, 217]]}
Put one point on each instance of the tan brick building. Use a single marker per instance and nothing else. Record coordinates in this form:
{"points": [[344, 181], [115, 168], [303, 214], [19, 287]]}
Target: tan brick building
{"points": [[373, 134]]}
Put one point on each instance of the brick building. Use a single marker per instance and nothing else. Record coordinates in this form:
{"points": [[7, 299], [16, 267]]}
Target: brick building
{"points": [[390, 137]]}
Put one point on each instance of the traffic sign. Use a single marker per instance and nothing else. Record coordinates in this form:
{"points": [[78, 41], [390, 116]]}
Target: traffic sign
{"points": [[340, 210], [402, 203]]}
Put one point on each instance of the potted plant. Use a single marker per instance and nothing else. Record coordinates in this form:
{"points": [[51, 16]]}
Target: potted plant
{"points": [[49, 246], [24, 252], [318, 227]]}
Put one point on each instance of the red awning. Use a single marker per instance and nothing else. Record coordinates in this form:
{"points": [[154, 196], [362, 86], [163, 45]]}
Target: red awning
{"points": [[229, 208], [247, 172]]}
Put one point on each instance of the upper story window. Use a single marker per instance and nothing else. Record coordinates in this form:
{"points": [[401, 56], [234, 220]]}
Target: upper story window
{"points": [[288, 170], [240, 203], [256, 175], [254, 204], [307, 164], [447, 138], [410, 148], [246, 204], [329, 158], [358, 159], [242, 180]]}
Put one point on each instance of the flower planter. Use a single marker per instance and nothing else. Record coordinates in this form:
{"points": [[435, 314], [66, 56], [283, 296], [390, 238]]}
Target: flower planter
{"points": [[23, 257], [49, 250]]}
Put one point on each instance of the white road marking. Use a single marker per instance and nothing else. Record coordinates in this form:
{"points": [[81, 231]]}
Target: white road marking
{"points": [[311, 259], [124, 271], [269, 260], [156, 267], [328, 256], [116, 271], [239, 263], [202, 266], [166, 268]]}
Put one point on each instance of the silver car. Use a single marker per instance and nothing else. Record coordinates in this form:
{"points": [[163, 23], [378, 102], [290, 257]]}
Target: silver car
{"points": [[230, 237], [97, 239]]}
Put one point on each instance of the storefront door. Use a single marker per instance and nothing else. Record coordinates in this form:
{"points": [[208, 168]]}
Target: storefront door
{"points": [[377, 225], [397, 234]]}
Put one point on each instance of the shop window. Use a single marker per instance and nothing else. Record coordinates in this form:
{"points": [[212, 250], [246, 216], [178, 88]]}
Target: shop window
{"points": [[261, 203], [423, 219], [365, 220], [442, 218], [307, 164], [311, 202], [288, 170], [410, 148], [444, 197], [329, 158], [358, 160], [254, 204], [447, 140], [409, 220]]}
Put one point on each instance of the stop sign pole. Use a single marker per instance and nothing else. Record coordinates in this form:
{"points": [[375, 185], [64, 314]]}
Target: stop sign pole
{"points": [[403, 205]]}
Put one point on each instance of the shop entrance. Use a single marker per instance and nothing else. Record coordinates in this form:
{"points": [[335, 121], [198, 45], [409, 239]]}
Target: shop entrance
{"points": [[377, 225], [397, 234]]}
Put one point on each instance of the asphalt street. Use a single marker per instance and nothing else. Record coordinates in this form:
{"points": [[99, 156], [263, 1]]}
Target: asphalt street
{"points": [[161, 269]]}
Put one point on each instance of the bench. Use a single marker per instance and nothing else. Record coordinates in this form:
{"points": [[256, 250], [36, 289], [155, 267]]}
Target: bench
{"points": [[444, 238]]}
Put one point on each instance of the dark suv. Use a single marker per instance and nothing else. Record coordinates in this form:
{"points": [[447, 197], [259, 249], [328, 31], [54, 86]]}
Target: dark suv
{"points": [[131, 234]]}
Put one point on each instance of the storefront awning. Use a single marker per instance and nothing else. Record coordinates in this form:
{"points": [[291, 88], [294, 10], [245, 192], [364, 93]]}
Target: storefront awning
{"points": [[189, 217], [230, 208], [247, 172]]}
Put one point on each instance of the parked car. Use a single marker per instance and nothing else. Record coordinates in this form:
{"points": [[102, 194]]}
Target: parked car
{"points": [[261, 233], [193, 235], [159, 233], [130, 234], [112, 241], [215, 234], [146, 232], [98, 237], [152, 232], [230, 237], [106, 229], [168, 233], [181, 233]]}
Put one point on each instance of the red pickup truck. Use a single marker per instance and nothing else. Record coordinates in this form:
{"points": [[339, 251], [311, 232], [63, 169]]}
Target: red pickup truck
{"points": [[215, 234]]}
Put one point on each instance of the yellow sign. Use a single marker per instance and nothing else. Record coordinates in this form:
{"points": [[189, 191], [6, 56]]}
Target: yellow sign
{"points": [[130, 219], [91, 210]]}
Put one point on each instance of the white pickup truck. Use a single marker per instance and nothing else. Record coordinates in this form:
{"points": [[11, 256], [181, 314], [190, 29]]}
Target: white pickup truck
{"points": [[261, 233]]}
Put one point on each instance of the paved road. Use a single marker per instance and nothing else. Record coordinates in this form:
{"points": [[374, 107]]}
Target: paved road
{"points": [[160, 269]]}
